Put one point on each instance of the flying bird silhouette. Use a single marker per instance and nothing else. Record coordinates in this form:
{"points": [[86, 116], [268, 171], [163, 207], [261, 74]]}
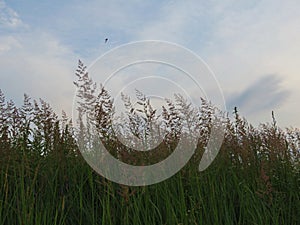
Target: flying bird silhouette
{"points": [[106, 40]]}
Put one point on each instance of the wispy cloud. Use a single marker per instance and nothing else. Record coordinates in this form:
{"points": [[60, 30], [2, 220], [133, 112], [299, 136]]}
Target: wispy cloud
{"points": [[184, 22], [9, 19], [263, 95]]}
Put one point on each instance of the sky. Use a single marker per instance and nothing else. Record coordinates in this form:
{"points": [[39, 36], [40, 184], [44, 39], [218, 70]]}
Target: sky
{"points": [[253, 47]]}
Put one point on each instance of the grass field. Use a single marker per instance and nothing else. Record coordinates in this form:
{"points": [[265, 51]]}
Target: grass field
{"points": [[44, 179]]}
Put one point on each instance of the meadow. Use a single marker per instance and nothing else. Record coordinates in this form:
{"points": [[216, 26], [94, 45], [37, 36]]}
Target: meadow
{"points": [[254, 180]]}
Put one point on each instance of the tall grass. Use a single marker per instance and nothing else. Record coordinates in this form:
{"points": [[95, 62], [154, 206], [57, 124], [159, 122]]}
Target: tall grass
{"points": [[44, 179]]}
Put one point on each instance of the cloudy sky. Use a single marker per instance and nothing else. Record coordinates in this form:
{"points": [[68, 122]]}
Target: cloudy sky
{"points": [[253, 47]]}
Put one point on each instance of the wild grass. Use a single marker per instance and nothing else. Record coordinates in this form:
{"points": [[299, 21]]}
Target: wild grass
{"points": [[44, 179]]}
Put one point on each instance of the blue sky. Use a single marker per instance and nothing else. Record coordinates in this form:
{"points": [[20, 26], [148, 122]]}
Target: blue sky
{"points": [[253, 47]]}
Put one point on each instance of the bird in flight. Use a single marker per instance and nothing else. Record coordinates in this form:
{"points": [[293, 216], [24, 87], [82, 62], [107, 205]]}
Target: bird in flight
{"points": [[106, 40]]}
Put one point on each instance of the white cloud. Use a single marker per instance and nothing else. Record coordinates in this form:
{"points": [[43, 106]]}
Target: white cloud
{"points": [[182, 22], [9, 18], [7, 43], [42, 68]]}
